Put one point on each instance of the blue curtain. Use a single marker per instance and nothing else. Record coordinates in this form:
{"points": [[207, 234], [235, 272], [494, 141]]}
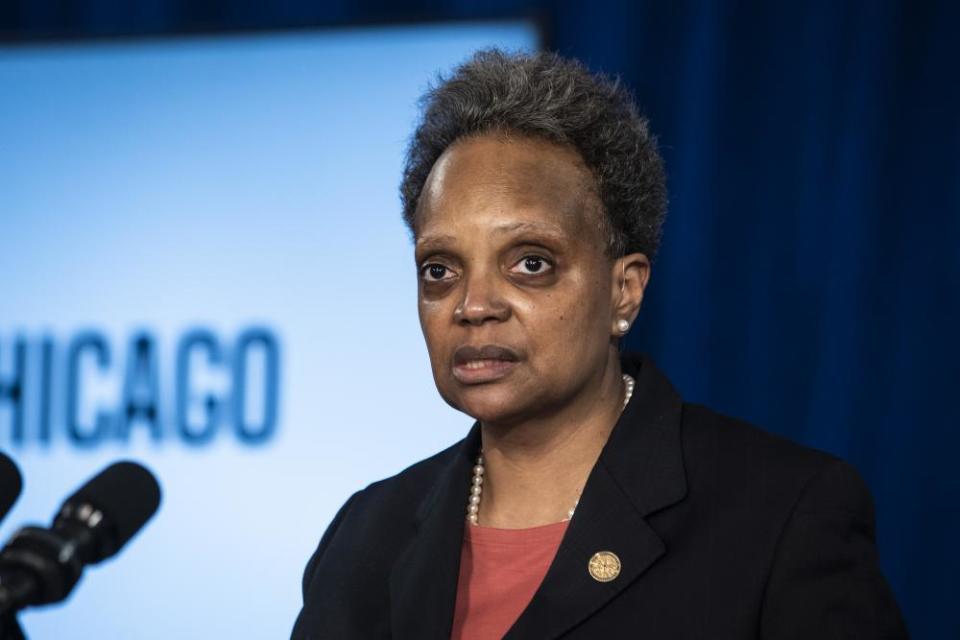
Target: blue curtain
{"points": [[810, 273]]}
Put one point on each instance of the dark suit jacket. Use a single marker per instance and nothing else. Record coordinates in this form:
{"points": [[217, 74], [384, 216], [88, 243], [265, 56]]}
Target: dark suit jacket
{"points": [[723, 532]]}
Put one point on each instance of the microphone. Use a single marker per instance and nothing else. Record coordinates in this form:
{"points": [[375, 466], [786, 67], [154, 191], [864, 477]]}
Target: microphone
{"points": [[10, 484], [42, 565]]}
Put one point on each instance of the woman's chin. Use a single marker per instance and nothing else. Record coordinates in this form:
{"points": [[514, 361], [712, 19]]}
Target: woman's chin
{"points": [[491, 405]]}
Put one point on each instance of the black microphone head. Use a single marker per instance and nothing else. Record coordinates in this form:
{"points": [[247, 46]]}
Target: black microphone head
{"points": [[11, 483], [126, 494]]}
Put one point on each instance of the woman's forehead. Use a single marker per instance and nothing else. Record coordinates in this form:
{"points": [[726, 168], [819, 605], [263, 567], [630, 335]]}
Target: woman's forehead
{"points": [[502, 184]]}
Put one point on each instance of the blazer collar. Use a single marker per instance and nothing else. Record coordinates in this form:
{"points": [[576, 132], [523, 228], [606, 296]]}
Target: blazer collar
{"points": [[640, 471]]}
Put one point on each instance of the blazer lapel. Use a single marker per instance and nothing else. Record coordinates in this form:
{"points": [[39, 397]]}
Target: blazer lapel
{"points": [[423, 582], [639, 471]]}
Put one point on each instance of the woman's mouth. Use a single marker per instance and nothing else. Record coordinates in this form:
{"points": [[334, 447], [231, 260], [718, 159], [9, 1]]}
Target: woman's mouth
{"points": [[476, 365], [478, 371]]}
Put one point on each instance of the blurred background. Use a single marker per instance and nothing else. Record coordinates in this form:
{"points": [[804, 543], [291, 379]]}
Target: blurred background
{"points": [[204, 266]]}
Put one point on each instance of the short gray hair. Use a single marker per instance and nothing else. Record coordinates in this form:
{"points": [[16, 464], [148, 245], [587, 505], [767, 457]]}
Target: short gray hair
{"points": [[546, 96]]}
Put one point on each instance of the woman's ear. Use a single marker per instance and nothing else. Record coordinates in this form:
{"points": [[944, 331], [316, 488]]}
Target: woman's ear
{"points": [[630, 276]]}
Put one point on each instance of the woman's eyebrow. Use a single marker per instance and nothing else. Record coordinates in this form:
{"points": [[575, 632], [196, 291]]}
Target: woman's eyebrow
{"points": [[431, 241]]}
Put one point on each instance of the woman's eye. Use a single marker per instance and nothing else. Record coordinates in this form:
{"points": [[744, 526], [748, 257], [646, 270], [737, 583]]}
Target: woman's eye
{"points": [[435, 272], [532, 265]]}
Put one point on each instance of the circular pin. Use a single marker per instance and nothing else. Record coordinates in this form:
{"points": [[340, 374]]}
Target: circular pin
{"points": [[604, 566]]}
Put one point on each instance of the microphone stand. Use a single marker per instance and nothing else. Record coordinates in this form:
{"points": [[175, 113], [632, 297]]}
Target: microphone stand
{"points": [[10, 628], [9, 625]]}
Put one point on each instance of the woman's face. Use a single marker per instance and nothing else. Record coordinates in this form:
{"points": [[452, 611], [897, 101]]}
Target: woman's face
{"points": [[516, 292]]}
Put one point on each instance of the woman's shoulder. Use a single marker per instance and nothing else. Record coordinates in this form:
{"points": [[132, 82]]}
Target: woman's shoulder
{"points": [[738, 435], [392, 504], [354, 556], [748, 463], [406, 489]]}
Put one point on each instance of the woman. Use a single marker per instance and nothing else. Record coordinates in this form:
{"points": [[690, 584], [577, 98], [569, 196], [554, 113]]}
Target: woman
{"points": [[588, 500]]}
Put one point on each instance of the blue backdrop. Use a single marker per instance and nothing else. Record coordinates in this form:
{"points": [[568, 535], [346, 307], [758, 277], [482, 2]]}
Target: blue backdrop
{"points": [[809, 277]]}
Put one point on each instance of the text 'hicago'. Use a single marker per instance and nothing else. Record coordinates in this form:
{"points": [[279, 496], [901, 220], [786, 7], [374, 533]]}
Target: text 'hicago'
{"points": [[91, 390]]}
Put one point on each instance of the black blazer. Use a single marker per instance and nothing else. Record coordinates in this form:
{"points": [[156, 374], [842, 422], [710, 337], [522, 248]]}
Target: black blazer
{"points": [[723, 532]]}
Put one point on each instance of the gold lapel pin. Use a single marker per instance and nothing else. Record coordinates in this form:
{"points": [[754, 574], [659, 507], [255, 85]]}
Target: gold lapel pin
{"points": [[604, 566]]}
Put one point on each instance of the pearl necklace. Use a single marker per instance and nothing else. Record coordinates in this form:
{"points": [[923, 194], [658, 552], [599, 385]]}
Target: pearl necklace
{"points": [[476, 486]]}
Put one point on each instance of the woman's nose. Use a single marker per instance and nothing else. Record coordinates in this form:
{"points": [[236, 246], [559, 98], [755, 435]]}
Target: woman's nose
{"points": [[481, 302]]}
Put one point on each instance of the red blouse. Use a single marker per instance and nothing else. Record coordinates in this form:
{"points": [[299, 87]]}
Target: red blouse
{"points": [[500, 570]]}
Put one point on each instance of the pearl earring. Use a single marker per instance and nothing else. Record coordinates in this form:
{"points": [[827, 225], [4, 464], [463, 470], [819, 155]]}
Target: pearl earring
{"points": [[623, 325]]}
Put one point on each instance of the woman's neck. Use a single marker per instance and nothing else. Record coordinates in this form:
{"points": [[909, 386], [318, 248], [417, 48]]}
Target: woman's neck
{"points": [[535, 471]]}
